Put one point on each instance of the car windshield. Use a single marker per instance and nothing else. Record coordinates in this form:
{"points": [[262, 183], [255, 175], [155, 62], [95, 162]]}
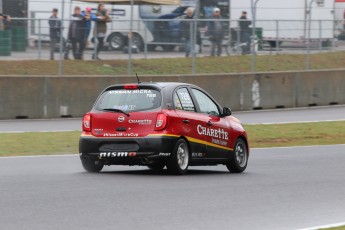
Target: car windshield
{"points": [[129, 100]]}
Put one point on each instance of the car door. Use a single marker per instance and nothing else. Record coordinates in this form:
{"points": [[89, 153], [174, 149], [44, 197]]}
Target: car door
{"points": [[188, 121], [217, 130]]}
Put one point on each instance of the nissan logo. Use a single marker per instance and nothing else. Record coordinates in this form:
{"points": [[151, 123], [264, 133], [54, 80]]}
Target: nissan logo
{"points": [[120, 118]]}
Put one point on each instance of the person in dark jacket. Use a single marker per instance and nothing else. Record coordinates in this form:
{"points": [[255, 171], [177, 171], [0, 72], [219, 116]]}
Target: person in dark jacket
{"points": [[187, 30], [54, 31], [215, 30], [76, 34], [244, 24], [101, 28], [88, 17]]}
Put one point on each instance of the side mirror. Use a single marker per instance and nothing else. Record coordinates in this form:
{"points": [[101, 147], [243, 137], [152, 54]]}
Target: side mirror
{"points": [[226, 112]]}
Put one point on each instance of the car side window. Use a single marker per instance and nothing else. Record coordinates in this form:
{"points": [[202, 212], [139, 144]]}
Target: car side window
{"points": [[183, 101], [207, 106]]}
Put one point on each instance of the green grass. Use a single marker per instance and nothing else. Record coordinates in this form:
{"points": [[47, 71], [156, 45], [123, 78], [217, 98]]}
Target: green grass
{"points": [[336, 228], [169, 66], [280, 135], [298, 134], [37, 143]]}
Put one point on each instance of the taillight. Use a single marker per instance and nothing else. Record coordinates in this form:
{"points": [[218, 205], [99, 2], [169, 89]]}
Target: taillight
{"points": [[161, 122], [130, 86], [87, 122]]}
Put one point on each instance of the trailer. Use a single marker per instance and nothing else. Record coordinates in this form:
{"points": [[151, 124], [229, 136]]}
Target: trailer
{"points": [[117, 31], [288, 20]]}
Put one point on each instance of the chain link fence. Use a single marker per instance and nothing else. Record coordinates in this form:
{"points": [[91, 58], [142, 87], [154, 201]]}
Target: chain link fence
{"points": [[192, 39]]}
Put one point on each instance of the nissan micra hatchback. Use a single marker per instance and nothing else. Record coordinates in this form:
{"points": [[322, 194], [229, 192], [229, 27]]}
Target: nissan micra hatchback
{"points": [[173, 125]]}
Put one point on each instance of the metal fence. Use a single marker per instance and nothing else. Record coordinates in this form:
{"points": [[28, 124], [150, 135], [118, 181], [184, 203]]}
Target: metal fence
{"points": [[29, 39]]}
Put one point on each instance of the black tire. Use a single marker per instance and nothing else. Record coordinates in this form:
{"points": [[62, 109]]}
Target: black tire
{"points": [[179, 160], [91, 165], [168, 48], [273, 44], [116, 41], [239, 159], [151, 47], [156, 166], [138, 41]]}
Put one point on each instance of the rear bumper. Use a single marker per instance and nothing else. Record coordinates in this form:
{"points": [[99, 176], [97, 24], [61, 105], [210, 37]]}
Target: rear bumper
{"points": [[127, 151]]}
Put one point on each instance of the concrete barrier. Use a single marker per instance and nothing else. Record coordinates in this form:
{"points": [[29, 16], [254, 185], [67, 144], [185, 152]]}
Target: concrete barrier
{"points": [[72, 96]]}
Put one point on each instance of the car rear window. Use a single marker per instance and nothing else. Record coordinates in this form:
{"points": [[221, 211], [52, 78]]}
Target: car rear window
{"points": [[130, 100]]}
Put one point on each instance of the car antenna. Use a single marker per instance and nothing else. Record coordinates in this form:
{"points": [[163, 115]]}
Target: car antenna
{"points": [[137, 78]]}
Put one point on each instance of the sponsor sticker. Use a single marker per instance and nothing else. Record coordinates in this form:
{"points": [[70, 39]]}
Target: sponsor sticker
{"points": [[219, 142], [98, 131], [141, 122], [164, 154], [117, 154], [120, 135], [198, 155], [217, 133], [121, 118], [138, 91], [125, 107]]}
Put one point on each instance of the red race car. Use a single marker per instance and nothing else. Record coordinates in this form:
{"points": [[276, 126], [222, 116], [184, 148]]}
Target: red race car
{"points": [[161, 124]]}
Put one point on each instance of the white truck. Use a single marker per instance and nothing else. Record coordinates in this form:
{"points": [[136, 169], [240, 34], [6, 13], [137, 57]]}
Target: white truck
{"points": [[287, 20], [117, 30]]}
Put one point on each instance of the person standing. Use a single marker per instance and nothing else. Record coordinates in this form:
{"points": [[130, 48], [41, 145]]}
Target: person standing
{"points": [[100, 28], [54, 31], [76, 34], [88, 17], [187, 30], [244, 24], [4, 21], [215, 30]]}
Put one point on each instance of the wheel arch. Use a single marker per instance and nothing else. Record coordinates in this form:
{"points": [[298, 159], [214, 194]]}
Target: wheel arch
{"points": [[113, 33], [188, 143], [243, 138]]}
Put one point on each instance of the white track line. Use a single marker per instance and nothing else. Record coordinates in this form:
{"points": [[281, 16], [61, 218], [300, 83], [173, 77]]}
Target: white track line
{"points": [[290, 109], [325, 226], [301, 146], [292, 122], [38, 156], [44, 131]]}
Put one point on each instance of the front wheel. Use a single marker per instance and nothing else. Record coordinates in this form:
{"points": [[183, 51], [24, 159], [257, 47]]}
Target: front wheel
{"points": [[179, 160], [239, 160], [91, 165], [168, 48]]}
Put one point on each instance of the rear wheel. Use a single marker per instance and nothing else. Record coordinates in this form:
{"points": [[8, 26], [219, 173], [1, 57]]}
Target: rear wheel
{"points": [[138, 41], [91, 165], [239, 159], [179, 160], [116, 41]]}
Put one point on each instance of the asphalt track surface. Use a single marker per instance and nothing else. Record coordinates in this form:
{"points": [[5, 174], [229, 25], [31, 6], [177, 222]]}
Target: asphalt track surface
{"points": [[282, 188], [312, 114]]}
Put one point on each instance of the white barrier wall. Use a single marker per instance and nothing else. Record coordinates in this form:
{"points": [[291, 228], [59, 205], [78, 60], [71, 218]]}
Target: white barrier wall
{"points": [[72, 96]]}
